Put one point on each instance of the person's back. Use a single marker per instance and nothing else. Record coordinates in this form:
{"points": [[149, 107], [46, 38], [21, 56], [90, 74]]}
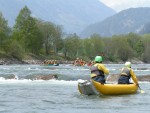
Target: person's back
{"points": [[124, 76], [98, 70]]}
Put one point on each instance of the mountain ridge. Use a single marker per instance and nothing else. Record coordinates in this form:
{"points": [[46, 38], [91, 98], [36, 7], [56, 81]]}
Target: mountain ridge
{"points": [[73, 15], [130, 20]]}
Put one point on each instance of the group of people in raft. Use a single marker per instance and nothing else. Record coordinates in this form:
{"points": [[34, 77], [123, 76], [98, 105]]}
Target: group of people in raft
{"points": [[81, 62], [98, 72], [50, 62]]}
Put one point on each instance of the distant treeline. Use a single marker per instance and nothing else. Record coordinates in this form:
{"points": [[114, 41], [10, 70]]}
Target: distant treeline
{"points": [[41, 38]]}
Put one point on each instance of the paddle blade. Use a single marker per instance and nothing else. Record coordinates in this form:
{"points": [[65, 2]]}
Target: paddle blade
{"points": [[142, 91]]}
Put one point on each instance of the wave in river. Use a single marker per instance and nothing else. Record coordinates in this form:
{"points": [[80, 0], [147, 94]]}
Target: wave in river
{"points": [[66, 77]]}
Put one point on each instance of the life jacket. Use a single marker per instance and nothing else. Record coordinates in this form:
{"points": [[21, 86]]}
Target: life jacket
{"points": [[76, 62], [126, 72], [96, 72]]}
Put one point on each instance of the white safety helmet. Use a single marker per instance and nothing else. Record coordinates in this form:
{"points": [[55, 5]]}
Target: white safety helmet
{"points": [[128, 64]]}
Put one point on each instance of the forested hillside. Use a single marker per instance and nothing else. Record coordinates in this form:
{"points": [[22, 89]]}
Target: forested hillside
{"points": [[134, 20], [30, 35]]}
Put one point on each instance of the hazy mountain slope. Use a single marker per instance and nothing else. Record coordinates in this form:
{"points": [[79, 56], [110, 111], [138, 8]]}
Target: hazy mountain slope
{"points": [[74, 15], [130, 20]]}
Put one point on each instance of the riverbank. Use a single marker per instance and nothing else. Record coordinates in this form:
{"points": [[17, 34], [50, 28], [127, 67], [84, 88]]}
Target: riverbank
{"points": [[33, 59], [5, 61], [8, 61]]}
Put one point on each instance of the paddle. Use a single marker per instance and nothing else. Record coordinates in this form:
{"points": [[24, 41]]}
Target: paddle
{"points": [[141, 91]]}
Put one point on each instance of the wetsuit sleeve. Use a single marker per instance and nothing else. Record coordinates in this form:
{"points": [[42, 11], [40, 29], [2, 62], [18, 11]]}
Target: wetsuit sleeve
{"points": [[103, 68], [133, 76]]}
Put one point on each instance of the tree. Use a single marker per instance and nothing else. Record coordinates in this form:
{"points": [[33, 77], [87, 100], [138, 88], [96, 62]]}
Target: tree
{"points": [[135, 43], [52, 36], [4, 31], [88, 49], [17, 51], [26, 31], [109, 49], [58, 43], [122, 47], [146, 43], [72, 46], [97, 45]]}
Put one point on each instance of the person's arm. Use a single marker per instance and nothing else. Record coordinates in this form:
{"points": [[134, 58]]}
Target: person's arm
{"points": [[104, 69], [133, 77]]}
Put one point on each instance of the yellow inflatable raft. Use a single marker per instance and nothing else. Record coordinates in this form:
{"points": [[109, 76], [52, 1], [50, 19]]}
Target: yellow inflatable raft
{"points": [[115, 89]]}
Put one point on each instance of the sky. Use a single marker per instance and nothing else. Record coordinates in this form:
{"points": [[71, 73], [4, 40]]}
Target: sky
{"points": [[119, 5]]}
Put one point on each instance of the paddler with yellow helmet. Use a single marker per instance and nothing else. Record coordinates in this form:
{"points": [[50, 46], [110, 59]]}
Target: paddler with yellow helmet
{"points": [[98, 70]]}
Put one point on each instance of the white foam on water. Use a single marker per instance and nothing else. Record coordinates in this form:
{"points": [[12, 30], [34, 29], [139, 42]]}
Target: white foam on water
{"points": [[63, 82], [10, 81], [145, 82], [28, 81], [113, 69]]}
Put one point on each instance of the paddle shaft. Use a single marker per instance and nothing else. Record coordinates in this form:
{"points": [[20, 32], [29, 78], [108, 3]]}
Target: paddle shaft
{"points": [[141, 89]]}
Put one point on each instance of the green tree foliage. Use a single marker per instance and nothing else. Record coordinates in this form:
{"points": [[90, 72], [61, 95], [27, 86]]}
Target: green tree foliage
{"points": [[34, 41], [122, 48], [97, 44], [93, 46], [58, 42], [17, 51], [51, 36], [4, 31], [31, 35], [146, 43], [72, 46], [109, 50], [88, 48], [27, 32], [135, 43]]}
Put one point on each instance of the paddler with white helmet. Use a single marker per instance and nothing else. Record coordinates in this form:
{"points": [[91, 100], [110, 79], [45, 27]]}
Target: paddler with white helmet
{"points": [[126, 74]]}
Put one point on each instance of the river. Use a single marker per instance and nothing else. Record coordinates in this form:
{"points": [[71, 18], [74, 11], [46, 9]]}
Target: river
{"points": [[25, 95]]}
